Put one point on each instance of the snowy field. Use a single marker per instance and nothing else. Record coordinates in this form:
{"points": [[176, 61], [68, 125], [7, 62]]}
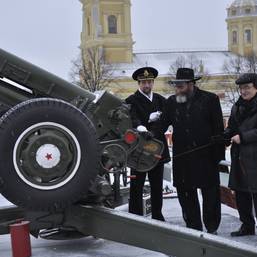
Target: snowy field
{"points": [[96, 247]]}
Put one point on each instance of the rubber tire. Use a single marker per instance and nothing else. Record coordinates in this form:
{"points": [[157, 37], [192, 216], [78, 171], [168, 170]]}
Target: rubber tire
{"points": [[31, 112]]}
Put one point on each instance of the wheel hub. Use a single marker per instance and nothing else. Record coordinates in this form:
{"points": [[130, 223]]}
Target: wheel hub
{"points": [[48, 156]]}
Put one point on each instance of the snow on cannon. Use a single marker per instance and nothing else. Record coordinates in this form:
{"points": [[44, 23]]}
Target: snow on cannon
{"points": [[59, 142]]}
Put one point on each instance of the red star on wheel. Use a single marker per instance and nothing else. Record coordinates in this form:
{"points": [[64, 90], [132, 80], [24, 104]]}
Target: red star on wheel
{"points": [[49, 156]]}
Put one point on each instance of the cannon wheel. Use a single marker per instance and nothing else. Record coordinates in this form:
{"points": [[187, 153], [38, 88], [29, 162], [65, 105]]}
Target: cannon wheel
{"points": [[49, 154]]}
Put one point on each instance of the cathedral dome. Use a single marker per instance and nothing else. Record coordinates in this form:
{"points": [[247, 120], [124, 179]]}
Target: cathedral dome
{"points": [[243, 3], [242, 8]]}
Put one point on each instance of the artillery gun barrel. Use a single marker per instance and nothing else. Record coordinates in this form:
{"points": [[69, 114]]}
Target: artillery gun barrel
{"points": [[34, 82], [10, 95], [41, 82]]}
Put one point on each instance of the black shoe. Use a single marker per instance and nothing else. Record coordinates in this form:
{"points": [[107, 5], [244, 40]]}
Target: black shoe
{"points": [[244, 231], [160, 217], [212, 232]]}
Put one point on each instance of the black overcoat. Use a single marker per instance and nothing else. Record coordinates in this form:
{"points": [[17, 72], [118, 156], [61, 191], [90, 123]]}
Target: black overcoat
{"points": [[194, 124], [141, 108], [243, 173]]}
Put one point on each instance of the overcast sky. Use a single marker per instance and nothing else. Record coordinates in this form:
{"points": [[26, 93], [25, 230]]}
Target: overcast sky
{"points": [[47, 32]]}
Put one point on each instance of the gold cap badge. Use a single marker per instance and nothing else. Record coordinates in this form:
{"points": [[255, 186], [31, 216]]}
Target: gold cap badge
{"points": [[146, 73]]}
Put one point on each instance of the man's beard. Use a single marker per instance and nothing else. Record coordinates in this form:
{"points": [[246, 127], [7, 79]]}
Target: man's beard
{"points": [[184, 97], [181, 99]]}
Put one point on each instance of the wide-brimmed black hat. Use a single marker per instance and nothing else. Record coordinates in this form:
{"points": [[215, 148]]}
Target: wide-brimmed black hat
{"points": [[247, 78], [184, 75], [145, 73]]}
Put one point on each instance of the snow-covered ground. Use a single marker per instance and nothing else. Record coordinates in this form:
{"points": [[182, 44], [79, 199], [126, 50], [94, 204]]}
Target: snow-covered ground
{"points": [[96, 247]]}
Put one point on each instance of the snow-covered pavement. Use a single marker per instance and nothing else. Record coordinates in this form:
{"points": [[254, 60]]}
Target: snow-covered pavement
{"points": [[96, 247]]}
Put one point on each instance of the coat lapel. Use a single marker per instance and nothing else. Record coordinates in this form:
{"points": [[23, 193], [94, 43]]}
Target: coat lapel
{"points": [[141, 97]]}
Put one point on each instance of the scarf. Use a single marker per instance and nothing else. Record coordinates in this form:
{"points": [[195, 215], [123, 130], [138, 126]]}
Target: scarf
{"points": [[246, 108]]}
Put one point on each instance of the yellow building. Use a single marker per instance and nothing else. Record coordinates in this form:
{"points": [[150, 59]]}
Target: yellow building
{"points": [[242, 27], [107, 25]]}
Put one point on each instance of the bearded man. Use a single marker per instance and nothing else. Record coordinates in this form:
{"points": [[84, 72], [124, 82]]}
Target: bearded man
{"points": [[196, 118]]}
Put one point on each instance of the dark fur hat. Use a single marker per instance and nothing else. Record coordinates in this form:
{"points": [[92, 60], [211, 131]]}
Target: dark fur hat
{"points": [[247, 78]]}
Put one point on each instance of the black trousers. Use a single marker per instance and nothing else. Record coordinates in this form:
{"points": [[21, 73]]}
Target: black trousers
{"points": [[245, 202], [136, 191], [191, 211]]}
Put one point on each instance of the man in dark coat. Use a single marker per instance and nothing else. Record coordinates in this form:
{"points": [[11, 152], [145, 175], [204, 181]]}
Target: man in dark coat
{"points": [[242, 132], [196, 118], [146, 108]]}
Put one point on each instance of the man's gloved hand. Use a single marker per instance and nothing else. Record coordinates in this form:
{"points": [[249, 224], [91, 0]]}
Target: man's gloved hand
{"points": [[144, 132], [154, 116], [141, 128], [219, 139]]}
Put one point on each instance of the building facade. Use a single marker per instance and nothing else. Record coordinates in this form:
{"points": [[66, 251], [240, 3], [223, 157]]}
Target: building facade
{"points": [[242, 27], [107, 25]]}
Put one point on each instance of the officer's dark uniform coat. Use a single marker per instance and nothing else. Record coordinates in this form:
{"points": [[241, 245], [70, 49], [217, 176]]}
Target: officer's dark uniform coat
{"points": [[141, 108]]}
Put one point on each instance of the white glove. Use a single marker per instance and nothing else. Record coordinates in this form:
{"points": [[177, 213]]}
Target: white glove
{"points": [[154, 116], [141, 128]]}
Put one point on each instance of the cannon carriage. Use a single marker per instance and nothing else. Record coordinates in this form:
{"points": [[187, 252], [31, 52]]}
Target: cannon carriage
{"points": [[59, 142]]}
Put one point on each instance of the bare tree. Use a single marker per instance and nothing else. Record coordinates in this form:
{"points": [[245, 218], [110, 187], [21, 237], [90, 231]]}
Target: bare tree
{"points": [[180, 62], [192, 62], [90, 71], [232, 68], [238, 64], [251, 63], [195, 63], [235, 66]]}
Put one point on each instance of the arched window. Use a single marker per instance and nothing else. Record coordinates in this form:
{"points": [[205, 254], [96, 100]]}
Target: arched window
{"points": [[88, 27], [112, 24], [233, 12], [248, 36], [247, 10], [234, 37]]}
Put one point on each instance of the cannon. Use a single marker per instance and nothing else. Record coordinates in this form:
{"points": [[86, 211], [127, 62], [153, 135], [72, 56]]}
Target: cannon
{"points": [[58, 146], [60, 142]]}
